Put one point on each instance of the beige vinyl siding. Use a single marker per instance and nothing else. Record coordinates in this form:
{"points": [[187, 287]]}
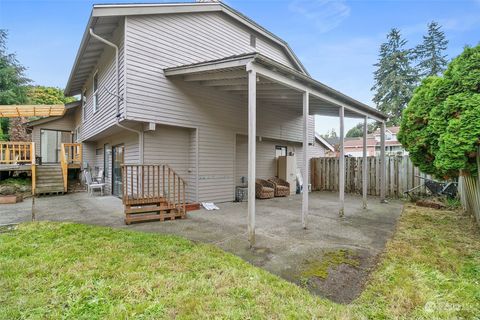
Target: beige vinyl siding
{"points": [[172, 146], [105, 116], [266, 161], [65, 123], [153, 43], [316, 151]]}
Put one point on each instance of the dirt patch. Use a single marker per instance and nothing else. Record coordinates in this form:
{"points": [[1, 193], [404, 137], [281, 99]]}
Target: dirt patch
{"points": [[339, 275]]}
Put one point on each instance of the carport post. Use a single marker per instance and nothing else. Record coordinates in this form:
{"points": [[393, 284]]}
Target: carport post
{"points": [[382, 162], [252, 126], [305, 159], [341, 164], [364, 163]]}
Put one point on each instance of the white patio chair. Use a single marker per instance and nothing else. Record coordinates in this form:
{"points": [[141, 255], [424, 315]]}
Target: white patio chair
{"points": [[91, 186], [99, 178]]}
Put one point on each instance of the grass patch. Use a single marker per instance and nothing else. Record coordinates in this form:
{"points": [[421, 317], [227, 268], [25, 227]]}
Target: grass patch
{"points": [[16, 181], [431, 269], [330, 259]]}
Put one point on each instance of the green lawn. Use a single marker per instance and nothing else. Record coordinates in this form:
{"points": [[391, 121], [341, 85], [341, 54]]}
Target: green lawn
{"points": [[51, 270]]}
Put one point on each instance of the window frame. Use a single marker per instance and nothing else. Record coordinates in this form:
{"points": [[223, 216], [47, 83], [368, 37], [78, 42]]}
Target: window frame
{"points": [[280, 147], [84, 104], [95, 91]]}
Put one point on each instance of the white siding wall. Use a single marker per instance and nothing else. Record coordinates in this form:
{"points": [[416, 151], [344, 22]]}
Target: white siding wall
{"points": [[64, 123], [173, 146], [157, 42], [105, 116]]}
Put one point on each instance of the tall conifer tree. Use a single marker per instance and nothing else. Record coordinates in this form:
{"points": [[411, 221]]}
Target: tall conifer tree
{"points": [[432, 60], [395, 78]]}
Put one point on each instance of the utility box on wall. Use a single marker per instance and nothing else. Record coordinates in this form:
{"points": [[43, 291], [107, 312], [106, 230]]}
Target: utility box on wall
{"points": [[286, 170]]}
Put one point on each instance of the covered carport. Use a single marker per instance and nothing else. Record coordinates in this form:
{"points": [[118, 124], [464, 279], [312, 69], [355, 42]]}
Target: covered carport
{"points": [[258, 79]]}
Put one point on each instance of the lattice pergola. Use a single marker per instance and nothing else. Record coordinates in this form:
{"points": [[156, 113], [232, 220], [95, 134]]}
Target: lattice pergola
{"points": [[40, 110]]}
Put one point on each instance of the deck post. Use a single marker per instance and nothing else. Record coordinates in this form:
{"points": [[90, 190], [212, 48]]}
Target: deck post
{"points": [[341, 164], [252, 123], [364, 163], [382, 163], [305, 159]]}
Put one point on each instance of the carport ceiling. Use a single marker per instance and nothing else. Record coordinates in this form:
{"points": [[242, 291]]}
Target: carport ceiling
{"points": [[234, 81]]}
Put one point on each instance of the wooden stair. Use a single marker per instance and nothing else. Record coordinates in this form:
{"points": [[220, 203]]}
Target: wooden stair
{"points": [[152, 192], [49, 179]]}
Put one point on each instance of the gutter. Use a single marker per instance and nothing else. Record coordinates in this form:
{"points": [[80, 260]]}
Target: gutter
{"points": [[117, 94]]}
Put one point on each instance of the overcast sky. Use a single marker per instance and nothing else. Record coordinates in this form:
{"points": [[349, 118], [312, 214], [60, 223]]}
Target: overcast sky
{"points": [[337, 41]]}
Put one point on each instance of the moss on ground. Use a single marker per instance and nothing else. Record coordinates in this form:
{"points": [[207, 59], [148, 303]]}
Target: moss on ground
{"points": [[430, 270], [329, 260]]}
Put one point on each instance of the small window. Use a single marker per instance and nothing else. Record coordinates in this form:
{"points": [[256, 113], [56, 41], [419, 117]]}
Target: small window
{"points": [[95, 92], [253, 41], [280, 151], [84, 104], [76, 135]]}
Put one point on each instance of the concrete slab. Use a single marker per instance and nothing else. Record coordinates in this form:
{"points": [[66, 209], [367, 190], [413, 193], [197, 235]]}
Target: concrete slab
{"points": [[282, 247]]}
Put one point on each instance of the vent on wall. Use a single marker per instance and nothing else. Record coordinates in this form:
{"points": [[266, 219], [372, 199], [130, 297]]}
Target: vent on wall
{"points": [[253, 41]]}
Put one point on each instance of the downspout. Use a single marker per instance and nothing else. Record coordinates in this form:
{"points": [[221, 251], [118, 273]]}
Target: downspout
{"points": [[117, 94]]}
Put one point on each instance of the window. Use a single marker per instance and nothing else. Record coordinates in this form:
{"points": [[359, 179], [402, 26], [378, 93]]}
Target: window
{"points": [[253, 41], [95, 92], [76, 135], [84, 104], [280, 151]]}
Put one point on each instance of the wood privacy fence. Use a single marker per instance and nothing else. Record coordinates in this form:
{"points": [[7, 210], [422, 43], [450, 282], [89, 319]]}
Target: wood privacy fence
{"points": [[401, 175], [469, 191]]}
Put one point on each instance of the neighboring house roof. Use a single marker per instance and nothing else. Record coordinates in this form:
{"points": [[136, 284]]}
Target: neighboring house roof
{"points": [[392, 130], [324, 142], [107, 25], [358, 142]]}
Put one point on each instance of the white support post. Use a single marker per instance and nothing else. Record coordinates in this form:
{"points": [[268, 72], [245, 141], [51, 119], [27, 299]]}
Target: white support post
{"points": [[341, 169], [364, 164], [305, 159], [382, 163], [252, 126]]}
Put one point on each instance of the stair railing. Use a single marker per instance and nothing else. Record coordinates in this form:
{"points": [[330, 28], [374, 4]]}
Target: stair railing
{"points": [[70, 154], [145, 184]]}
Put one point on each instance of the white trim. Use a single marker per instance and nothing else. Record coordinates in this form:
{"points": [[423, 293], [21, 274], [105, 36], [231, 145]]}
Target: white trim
{"points": [[95, 92], [84, 104], [306, 101]]}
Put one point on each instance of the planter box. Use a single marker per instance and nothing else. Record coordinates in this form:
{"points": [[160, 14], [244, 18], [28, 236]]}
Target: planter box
{"points": [[10, 199]]}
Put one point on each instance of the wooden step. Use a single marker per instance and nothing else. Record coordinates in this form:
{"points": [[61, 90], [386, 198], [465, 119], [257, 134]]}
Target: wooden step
{"points": [[149, 209], [172, 215]]}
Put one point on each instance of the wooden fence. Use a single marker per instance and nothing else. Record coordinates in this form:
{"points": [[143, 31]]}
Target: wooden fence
{"points": [[469, 191], [401, 175]]}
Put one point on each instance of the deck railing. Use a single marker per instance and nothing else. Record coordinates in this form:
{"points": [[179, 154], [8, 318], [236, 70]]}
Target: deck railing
{"points": [[19, 153], [153, 184], [70, 154]]}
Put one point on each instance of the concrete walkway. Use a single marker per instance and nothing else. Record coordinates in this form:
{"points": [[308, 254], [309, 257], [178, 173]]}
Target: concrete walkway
{"points": [[282, 246]]}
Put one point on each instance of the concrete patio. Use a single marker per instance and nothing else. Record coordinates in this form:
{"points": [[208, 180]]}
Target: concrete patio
{"points": [[283, 247]]}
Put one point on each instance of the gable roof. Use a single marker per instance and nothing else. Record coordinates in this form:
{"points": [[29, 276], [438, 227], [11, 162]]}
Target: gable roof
{"points": [[109, 13], [324, 142]]}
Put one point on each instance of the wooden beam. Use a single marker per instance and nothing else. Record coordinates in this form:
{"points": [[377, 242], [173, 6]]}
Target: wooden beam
{"points": [[252, 126], [341, 164], [305, 159], [364, 163]]}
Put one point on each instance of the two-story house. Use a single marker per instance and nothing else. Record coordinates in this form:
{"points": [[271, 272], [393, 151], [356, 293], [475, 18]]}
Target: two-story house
{"points": [[192, 85]]}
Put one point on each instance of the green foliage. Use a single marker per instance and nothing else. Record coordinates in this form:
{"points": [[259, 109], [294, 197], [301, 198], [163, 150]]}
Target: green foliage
{"points": [[395, 78], [12, 78], [357, 131], [441, 126], [330, 134], [47, 95], [431, 56]]}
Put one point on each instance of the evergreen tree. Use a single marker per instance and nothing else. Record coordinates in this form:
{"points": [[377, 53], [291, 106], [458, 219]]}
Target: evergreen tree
{"points": [[395, 78], [13, 82], [430, 54]]}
